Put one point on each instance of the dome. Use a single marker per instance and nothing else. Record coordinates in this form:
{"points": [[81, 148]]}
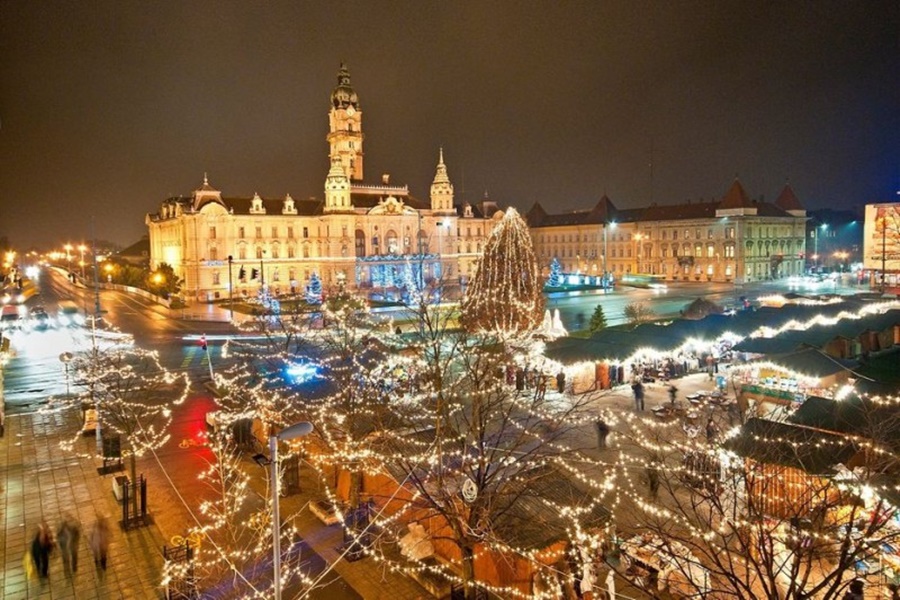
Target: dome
{"points": [[343, 95]]}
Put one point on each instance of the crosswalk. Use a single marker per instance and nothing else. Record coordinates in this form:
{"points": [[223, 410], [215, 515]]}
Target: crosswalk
{"points": [[195, 356]]}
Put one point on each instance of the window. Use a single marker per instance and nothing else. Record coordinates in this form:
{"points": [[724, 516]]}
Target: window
{"points": [[290, 252], [276, 252], [258, 231], [290, 233], [674, 234], [276, 276], [305, 233], [213, 253], [697, 234], [729, 233], [242, 252], [216, 278], [709, 234], [727, 270], [698, 250], [212, 232], [343, 231], [710, 250], [305, 251], [259, 252], [687, 234], [241, 232], [274, 232], [729, 251]]}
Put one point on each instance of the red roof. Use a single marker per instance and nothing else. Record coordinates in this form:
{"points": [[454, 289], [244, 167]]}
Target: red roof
{"points": [[787, 200], [736, 197]]}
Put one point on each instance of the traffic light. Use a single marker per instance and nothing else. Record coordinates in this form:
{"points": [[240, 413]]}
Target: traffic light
{"points": [[242, 274], [254, 273]]}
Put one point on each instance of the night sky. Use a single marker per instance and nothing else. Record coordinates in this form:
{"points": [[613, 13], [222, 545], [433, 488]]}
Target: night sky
{"points": [[106, 108]]}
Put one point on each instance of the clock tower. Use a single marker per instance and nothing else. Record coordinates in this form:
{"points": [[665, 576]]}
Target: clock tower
{"points": [[345, 136]]}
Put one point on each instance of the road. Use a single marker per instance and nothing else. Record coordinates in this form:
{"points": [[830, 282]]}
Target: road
{"points": [[36, 372], [577, 307]]}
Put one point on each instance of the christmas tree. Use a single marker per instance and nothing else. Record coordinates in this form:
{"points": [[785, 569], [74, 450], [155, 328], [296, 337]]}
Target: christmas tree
{"points": [[505, 295], [314, 290], [556, 276]]}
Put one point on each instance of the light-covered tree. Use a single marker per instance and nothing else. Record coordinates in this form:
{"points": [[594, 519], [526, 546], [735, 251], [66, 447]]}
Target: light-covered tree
{"points": [[505, 296], [314, 289], [638, 312], [556, 277]]}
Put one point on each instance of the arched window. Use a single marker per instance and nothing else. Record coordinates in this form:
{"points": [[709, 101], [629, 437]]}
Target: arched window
{"points": [[392, 243], [259, 252], [360, 241]]}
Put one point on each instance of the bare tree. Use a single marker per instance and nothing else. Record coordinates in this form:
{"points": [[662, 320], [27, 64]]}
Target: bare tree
{"points": [[768, 514]]}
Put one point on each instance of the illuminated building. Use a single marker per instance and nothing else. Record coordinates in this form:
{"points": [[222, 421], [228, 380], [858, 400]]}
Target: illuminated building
{"points": [[369, 236], [733, 239]]}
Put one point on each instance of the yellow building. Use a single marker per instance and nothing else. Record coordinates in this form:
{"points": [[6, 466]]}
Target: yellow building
{"points": [[374, 237], [734, 239]]}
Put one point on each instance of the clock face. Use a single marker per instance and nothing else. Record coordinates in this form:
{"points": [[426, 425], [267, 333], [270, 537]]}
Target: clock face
{"points": [[351, 111]]}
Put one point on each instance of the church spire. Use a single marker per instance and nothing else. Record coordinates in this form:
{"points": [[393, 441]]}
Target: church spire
{"points": [[441, 188]]}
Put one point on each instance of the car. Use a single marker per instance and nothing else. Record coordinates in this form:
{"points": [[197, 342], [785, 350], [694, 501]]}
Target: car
{"points": [[11, 317], [40, 320]]}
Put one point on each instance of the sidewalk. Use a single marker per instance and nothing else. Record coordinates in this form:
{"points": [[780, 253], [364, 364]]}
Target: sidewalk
{"points": [[41, 481]]}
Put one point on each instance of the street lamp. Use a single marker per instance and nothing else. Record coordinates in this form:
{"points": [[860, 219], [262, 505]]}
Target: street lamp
{"points": [[823, 227], [68, 248], [82, 248], [637, 255], [606, 278], [293, 432]]}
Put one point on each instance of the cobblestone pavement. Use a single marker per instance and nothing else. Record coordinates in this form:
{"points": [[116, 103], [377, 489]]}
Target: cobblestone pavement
{"points": [[42, 482]]}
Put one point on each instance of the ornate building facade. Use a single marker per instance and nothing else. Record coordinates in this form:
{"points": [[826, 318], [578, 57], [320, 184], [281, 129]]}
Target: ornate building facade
{"points": [[735, 239], [373, 237]]}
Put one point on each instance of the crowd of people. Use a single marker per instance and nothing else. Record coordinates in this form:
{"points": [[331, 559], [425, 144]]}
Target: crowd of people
{"points": [[68, 535]]}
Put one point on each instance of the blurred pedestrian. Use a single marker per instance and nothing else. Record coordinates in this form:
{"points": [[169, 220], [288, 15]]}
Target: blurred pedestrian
{"points": [[672, 392], [561, 381], [41, 546], [67, 536], [856, 590], [653, 482], [712, 432], [99, 542], [637, 389], [602, 433], [520, 379]]}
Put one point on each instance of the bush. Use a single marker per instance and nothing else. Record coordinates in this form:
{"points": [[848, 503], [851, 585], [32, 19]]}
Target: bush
{"points": [[700, 308], [638, 312]]}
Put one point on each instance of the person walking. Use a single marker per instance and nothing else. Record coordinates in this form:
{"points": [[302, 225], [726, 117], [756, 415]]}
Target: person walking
{"points": [[602, 433], [672, 393], [68, 535], [561, 381], [856, 590], [41, 545], [638, 389], [99, 542], [712, 432], [520, 380]]}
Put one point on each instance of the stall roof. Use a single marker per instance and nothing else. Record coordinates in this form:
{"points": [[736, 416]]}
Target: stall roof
{"points": [[812, 362], [533, 519], [852, 416], [809, 450]]}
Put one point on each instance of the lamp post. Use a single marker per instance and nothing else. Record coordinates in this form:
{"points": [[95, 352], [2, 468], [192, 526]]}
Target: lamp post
{"points": [[68, 248], [606, 225], [823, 227], [293, 432], [230, 291], [82, 248], [637, 255]]}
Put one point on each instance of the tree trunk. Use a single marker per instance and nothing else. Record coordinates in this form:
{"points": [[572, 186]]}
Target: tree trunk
{"points": [[134, 487], [468, 570]]}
